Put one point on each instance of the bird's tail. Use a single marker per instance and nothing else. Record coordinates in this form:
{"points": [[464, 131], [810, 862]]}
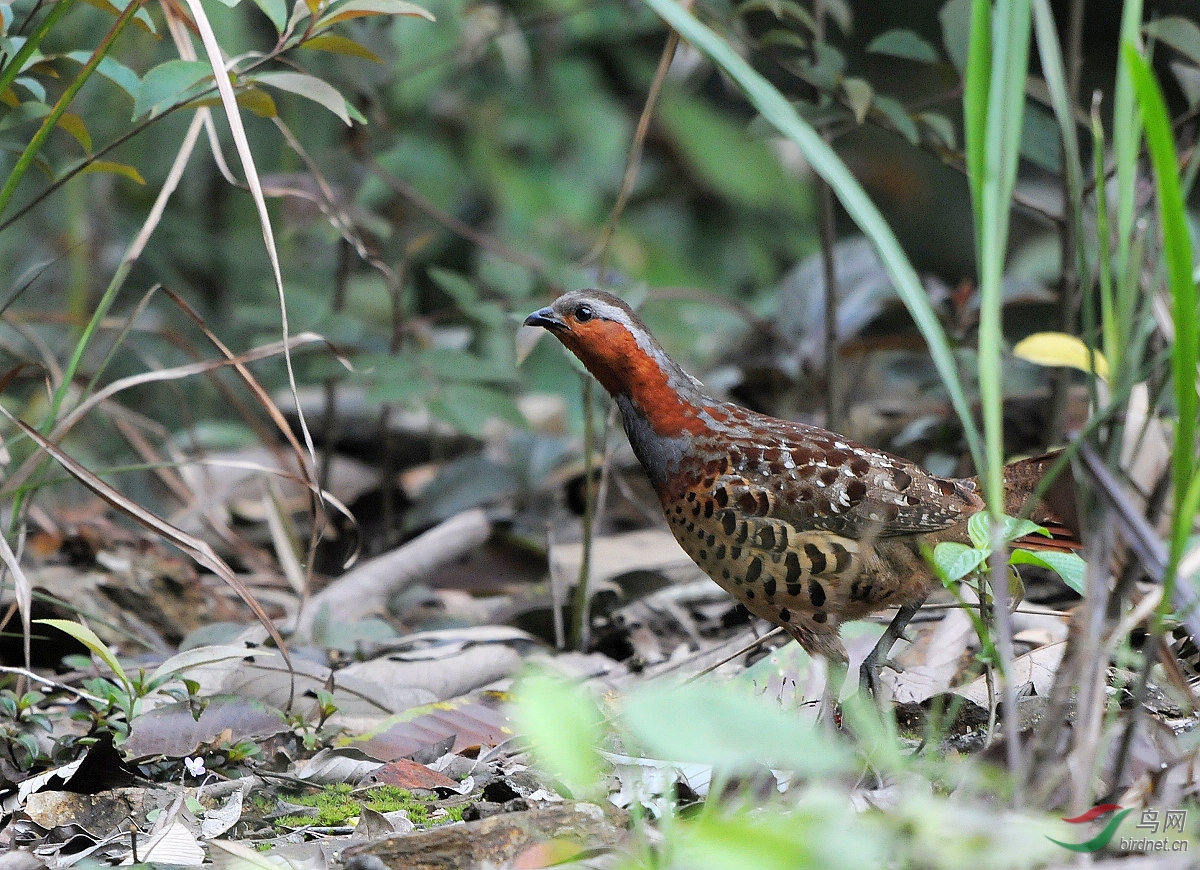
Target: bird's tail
{"points": [[1054, 509]]}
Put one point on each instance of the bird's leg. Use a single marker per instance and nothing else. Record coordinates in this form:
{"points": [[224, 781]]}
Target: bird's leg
{"points": [[829, 713], [877, 657]]}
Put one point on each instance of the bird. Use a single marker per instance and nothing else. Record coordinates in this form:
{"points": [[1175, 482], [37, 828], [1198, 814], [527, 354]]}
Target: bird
{"points": [[805, 527]]}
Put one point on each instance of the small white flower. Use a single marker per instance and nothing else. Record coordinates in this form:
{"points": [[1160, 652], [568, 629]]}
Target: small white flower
{"points": [[195, 766]]}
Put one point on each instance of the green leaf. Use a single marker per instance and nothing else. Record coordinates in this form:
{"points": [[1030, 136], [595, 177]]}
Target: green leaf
{"points": [[116, 7], [712, 724], [276, 12], [955, 561], [459, 365], [781, 9], [859, 92], [89, 639], [169, 83], [313, 88], [113, 70], [1069, 566], [457, 287], [830, 66], [338, 44], [35, 88], [564, 727], [941, 127], [1180, 33], [895, 112], [955, 18], [24, 114], [979, 528], [468, 407], [904, 44], [729, 162]]}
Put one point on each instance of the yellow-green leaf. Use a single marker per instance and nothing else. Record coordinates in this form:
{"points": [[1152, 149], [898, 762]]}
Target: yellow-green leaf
{"points": [[73, 124], [259, 102], [340, 45], [859, 92], [88, 638], [359, 8], [115, 168], [1060, 349]]}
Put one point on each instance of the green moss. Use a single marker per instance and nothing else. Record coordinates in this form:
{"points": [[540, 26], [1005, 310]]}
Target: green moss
{"points": [[335, 806]]}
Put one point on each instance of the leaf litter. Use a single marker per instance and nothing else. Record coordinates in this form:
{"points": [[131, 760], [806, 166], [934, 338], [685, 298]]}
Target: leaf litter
{"points": [[394, 734]]}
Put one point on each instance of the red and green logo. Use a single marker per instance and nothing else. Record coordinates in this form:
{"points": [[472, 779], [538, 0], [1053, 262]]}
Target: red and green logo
{"points": [[1099, 841]]}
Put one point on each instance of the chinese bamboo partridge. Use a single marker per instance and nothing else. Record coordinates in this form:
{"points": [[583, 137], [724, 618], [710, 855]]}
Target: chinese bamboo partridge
{"points": [[806, 528]]}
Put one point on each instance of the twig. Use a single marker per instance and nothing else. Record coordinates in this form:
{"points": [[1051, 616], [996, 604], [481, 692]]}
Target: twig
{"points": [[366, 589], [38, 678]]}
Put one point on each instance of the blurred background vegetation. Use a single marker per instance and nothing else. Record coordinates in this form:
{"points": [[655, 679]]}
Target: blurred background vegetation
{"points": [[482, 161]]}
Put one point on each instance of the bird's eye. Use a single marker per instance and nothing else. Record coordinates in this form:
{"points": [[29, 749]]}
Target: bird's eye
{"points": [[583, 313]]}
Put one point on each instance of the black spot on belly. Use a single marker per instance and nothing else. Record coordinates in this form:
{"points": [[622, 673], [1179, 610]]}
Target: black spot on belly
{"points": [[749, 593], [815, 557], [719, 553], [820, 616], [703, 554], [708, 508], [735, 553], [769, 588], [721, 497], [728, 522], [696, 510], [755, 570], [742, 532], [816, 593], [691, 496], [842, 557], [710, 540], [792, 563], [785, 615], [766, 538]]}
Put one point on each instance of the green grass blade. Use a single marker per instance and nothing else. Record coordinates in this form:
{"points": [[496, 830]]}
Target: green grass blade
{"points": [[977, 84], [1055, 74], [776, 109], [1001, 147], [1126, 136], [1177, 252]]}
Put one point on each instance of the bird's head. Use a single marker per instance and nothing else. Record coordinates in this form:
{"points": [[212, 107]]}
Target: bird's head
{"points": [[603, 331], [617, 348]]}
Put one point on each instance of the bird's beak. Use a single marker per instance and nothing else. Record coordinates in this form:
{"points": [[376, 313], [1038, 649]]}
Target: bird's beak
{"points": [[546, 317]]}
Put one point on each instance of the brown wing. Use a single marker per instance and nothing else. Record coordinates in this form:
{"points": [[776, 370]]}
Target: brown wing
{"points": [[814, 480]]}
